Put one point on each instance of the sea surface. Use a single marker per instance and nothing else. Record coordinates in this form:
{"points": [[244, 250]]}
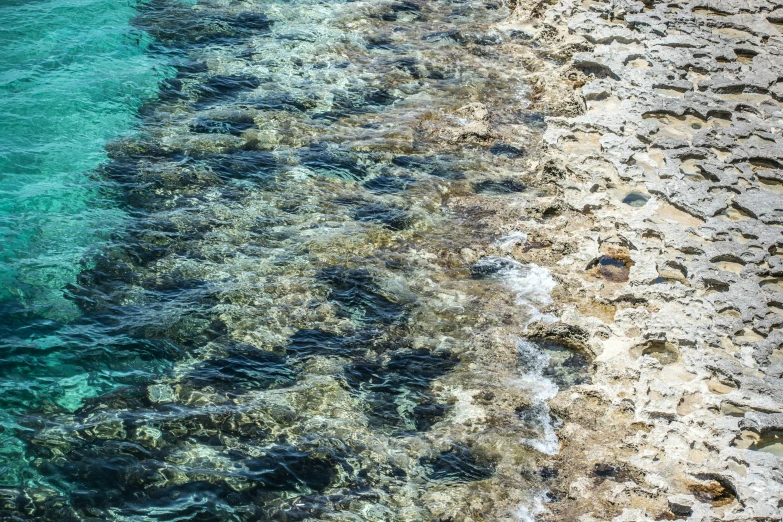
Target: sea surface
{"points": [[236, 279]]}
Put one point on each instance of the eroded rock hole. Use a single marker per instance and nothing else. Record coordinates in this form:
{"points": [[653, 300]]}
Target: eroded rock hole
{"points": [[636, 200], [612, 268]]}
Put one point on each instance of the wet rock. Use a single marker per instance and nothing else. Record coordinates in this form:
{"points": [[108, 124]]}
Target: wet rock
{"points": [[506, 186], [489, 266], [617, 473], [566, 367], [504, 150]]}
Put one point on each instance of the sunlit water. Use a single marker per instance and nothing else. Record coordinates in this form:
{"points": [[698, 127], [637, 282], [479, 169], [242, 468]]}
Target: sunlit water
{"points": [[253, 305], [73, 74]]}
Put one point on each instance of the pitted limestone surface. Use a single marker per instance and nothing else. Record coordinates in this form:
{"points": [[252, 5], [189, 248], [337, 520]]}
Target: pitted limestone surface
{"points": [[680, 102]]}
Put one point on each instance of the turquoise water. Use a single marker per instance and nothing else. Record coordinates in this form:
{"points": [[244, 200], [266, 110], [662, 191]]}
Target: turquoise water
{"points": [[72, 76]]}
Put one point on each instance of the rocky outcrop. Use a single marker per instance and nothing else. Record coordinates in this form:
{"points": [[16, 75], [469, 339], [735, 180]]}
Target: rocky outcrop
{"points": [[673, 170]]}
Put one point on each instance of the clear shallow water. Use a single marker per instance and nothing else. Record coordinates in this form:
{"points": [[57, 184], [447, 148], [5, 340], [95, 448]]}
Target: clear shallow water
{"points": [[72, 77], [282, 299]]}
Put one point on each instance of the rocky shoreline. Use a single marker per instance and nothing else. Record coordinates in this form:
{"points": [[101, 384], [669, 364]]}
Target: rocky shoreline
{"points": [[445, 261], [664, 233]]}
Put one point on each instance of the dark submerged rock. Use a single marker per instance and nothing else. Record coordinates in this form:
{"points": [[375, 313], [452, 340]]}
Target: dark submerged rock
{"points": [[245, 367], [504, 150], [356, 101], [406, 374], [458, 464], [308, 343], [234, 126], [506, 186], [331, 162], [388, 184], [240, 164], [392, 218], [287, 102], [225, 87], [359, 298], [442, 167]]}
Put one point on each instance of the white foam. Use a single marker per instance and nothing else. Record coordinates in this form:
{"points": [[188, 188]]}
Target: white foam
{"points": [[532, 286], [511, 239], [530, 283], [534, 361], [528, 513], [540, 390]]}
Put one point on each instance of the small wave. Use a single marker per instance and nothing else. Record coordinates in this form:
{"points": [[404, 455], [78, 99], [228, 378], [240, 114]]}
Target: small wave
{"points": [[531, 284], [534, 362], [509, 240]]}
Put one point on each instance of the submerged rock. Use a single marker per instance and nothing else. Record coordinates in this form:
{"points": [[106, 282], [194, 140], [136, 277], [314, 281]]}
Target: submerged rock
{"points": [[390, 217], [506, 186], [245, 367], [359, 298], [458, 464], [332, 162]]}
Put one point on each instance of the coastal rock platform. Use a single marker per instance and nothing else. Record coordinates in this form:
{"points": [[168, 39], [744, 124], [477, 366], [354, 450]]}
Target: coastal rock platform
{"points": [[664, 234]]}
